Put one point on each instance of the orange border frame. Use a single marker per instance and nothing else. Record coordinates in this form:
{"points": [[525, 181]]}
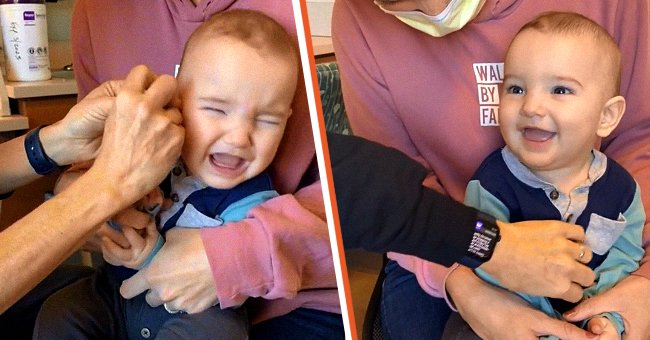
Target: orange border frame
{"points": [[328, 170]]}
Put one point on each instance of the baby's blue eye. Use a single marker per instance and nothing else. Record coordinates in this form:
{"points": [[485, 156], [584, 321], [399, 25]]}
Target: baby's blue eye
{"points": [[514, 89], [562, 90]]}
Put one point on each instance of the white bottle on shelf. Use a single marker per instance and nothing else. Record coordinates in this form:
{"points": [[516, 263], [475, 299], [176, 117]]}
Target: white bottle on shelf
{"points": [[24, 34]]}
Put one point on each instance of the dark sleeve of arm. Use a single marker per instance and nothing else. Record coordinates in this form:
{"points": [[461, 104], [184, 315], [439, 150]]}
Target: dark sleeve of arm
{"points": [[383, 205]]}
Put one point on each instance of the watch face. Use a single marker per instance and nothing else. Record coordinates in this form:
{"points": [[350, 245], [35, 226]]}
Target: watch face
{"points": [[484, 239], [487, 229]]}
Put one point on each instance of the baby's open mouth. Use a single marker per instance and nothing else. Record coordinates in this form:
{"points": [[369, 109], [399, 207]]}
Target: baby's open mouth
{"points": [[538, 135], [224, 160]]}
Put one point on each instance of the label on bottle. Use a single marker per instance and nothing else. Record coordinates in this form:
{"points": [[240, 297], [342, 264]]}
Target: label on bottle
{"points": [[24, 33]]}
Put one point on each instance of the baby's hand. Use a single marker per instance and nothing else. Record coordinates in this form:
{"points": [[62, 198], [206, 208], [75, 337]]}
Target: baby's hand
{"points": [[151, 203], [141, 241], [604, 328]]}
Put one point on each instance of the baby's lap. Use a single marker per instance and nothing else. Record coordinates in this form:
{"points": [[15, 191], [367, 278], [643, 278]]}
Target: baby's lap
{"points": [[94, 306], [407, 311], [96, 300]]}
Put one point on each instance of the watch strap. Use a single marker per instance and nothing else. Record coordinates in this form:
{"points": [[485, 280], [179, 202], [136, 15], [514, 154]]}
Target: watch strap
{"points": [[38, 159], [470, 262]]}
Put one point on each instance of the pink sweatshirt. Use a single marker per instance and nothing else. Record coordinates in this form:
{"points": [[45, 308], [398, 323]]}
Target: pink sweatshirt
{"points": [[281, 253], [436, 99]]}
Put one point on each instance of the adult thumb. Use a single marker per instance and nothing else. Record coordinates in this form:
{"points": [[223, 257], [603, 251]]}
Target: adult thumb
{"points": [[587, 309], [135, 285]]}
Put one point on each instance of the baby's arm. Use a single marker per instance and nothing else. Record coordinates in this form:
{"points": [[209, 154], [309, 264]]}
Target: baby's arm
{"points": [[622, 258], [129, 242]]}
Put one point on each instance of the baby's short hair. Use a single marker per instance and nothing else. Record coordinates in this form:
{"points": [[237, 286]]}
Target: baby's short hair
{"points": [[254, 28], [567, 23]]}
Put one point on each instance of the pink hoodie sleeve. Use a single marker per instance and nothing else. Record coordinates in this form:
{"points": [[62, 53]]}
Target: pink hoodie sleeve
{"points": [[281, 248], [430, 275]]}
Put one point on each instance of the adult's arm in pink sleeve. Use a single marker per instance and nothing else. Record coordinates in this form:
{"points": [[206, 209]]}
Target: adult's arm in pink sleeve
{"points": [[281, 248]]}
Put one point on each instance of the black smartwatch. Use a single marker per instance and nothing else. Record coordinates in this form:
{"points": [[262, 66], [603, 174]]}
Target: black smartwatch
{"points": [[484, 240], [36, 156]]}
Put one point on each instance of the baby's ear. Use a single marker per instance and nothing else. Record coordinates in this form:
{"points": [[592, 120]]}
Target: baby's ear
{"points": [[611, 115]]}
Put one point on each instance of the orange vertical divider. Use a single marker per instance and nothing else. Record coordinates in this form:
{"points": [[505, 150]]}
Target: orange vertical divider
{"points": [[328, 171]]}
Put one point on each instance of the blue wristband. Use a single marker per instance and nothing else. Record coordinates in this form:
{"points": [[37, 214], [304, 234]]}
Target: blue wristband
{"points": [[36, 156]]}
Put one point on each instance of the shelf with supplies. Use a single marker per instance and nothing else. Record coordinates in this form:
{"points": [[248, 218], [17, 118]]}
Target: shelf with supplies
{"points": [[41, 88], [42, 102], [32, 104], [13, 123]]}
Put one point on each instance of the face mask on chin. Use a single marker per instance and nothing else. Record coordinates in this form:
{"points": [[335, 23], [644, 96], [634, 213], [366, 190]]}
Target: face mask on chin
{"points": [[454, 17]]}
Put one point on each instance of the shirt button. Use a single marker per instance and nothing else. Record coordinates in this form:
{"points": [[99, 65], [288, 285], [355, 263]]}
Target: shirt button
{"points": [[175, 197], [145, 332], [554, 194]]}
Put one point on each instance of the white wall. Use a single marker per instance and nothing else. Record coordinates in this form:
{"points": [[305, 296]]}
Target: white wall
{"points": [[58, 32]]}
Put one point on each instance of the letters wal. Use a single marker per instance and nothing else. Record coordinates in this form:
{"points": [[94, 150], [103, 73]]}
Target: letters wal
{"points": [[488, 77]]}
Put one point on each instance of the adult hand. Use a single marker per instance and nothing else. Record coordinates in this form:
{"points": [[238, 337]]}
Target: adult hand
{"points": [[166, 277], [545, 258], [78, 135], [142, 137], [630, 298], [494, 313]]}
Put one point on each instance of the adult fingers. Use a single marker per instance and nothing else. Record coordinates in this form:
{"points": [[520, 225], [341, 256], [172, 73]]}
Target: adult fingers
{"points": [[138, 79], [107, 89], [176, 101], [583, 253], [573, 294], [572, 231], [153, 299], [583, 275], [135, 285], [174, 115], [629, 298], [561, 329], [161, 91], [588, 308]]}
